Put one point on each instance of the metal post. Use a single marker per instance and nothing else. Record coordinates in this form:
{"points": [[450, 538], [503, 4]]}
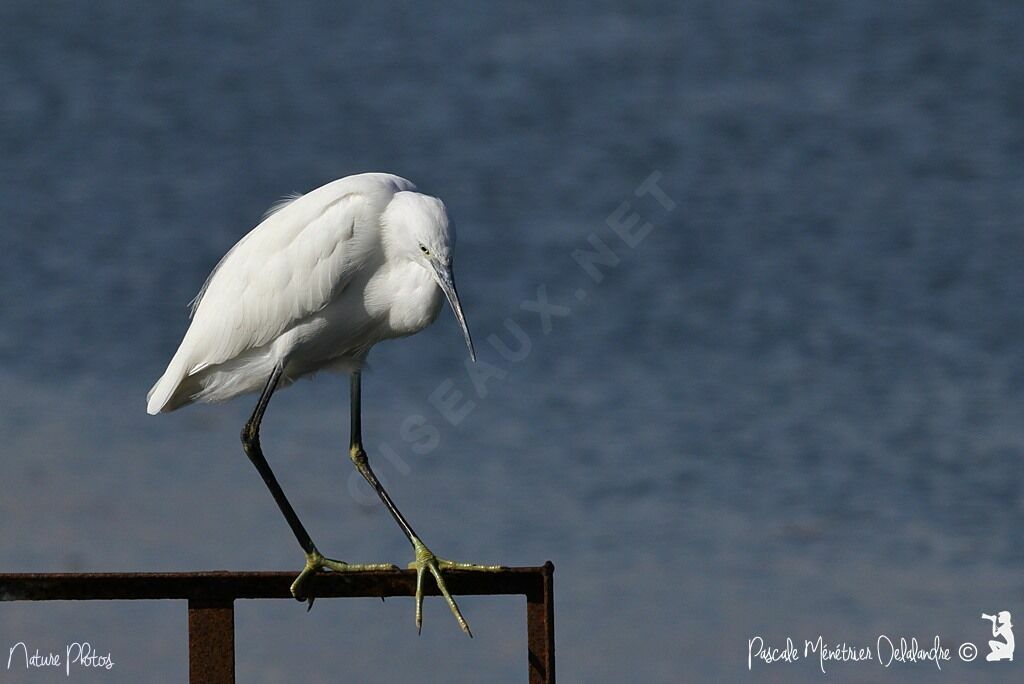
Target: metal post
{"points": [[211, 596], [211, 641], [540, 628]]}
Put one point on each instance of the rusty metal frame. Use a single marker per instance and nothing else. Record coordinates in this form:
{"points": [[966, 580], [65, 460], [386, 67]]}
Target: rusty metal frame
{"points": [[211, 597]]}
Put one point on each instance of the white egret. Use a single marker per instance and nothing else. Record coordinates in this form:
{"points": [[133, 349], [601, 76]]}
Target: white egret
{"points": [[315, 285]]}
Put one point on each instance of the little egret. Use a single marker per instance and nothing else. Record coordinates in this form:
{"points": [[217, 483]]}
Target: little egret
{"points": [[315, 285]]}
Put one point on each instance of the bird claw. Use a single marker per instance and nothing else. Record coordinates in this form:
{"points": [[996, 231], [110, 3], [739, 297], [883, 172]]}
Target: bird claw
{"points": [[427, 561], [315, 562]]}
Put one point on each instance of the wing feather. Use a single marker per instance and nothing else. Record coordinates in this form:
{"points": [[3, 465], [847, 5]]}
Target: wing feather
{"points": [[294, 263]]}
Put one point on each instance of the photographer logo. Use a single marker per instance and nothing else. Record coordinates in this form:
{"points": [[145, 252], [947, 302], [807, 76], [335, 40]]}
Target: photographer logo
{"points": [[1002, 628]]}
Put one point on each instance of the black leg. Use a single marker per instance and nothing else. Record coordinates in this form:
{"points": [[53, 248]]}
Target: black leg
{"points": [[251, 444], [425, 561], [362, 463]]}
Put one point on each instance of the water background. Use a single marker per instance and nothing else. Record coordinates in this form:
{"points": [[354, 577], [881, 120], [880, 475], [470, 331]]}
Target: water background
{"points": [[793, 409]]}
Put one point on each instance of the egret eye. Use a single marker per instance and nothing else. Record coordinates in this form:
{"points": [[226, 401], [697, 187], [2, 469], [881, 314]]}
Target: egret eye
{"points": [[424, 250]]}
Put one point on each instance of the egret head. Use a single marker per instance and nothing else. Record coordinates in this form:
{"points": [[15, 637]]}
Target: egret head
{"points": [[424, 235]]}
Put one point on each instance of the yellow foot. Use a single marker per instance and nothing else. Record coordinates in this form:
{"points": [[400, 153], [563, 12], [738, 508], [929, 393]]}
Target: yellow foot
{"points": [[426, 560], [316, 561]]}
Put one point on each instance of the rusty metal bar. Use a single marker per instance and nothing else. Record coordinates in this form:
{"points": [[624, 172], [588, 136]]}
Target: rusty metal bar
{"points": [[540, 628], [211, 641], [253, 585], [211, 597]]}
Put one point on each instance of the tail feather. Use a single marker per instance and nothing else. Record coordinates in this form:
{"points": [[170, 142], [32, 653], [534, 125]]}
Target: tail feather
{"points": [[162, 396]]}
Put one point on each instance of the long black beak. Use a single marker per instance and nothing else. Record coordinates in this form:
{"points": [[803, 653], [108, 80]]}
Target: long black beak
{"points": [[446, 280]]}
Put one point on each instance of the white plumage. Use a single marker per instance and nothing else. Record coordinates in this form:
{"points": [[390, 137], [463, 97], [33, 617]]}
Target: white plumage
{"points": [[316, 284], [319, 281]]}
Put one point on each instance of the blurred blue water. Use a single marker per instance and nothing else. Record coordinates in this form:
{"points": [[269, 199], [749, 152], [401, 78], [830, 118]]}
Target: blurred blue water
{"points": [[792, 409]]}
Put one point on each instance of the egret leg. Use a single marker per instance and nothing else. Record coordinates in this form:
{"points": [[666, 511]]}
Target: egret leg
{"points": [[425, 561], [314, 559]]}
